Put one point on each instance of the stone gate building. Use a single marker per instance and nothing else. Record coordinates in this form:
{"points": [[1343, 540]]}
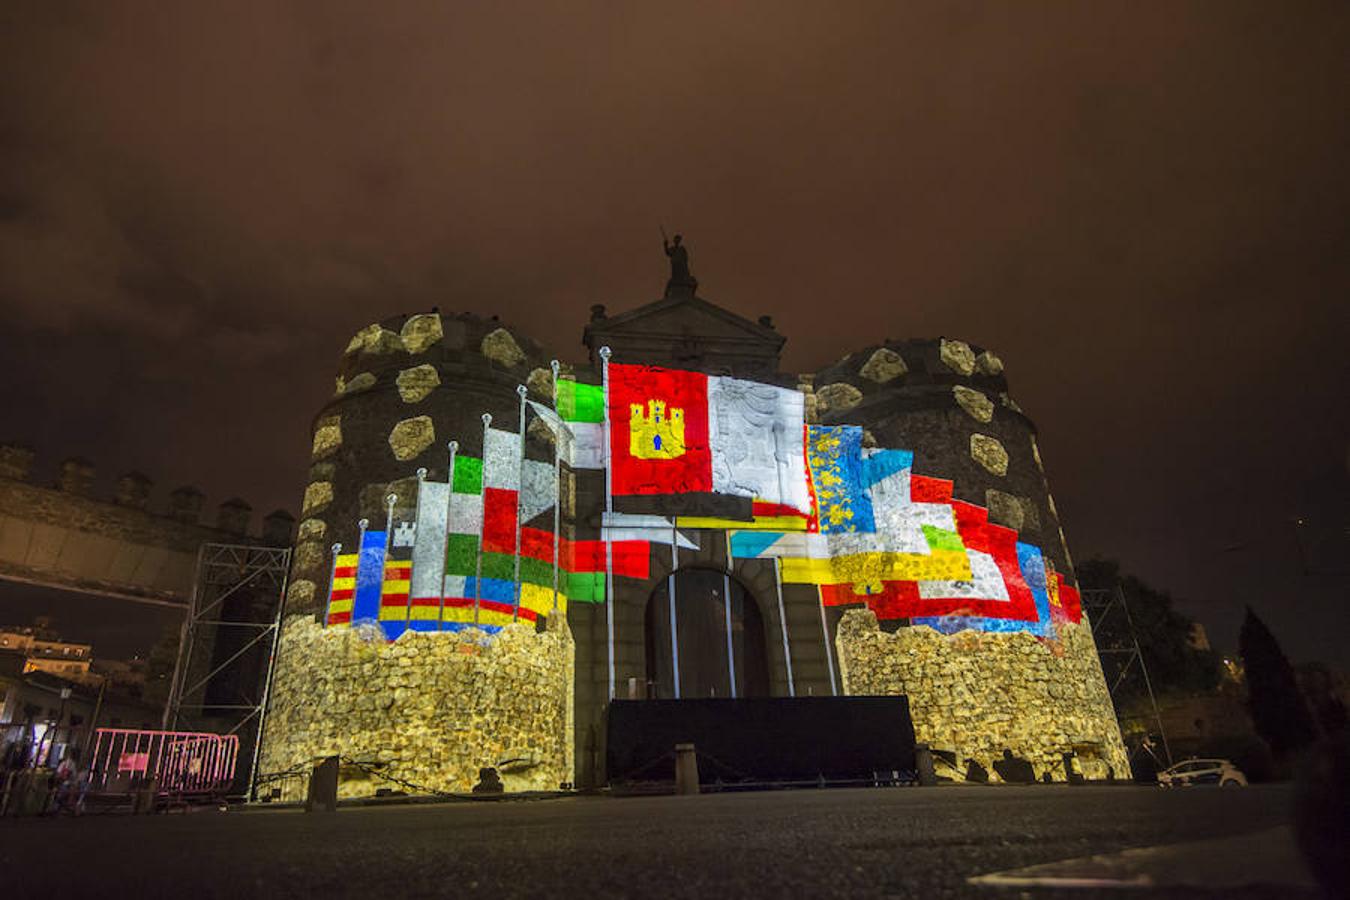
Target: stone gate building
{"points": [[438, 702]]}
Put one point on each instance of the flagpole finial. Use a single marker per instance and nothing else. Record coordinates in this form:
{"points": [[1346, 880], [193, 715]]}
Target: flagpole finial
{"points": [[391, 499], [421, 473], [522, 390], [336, 548], [556, 367], [454, 446], [363, 524], [605, 352], [487, 419]]}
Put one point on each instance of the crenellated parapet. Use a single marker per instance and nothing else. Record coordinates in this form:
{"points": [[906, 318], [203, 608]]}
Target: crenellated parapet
{"points": [[67, 534], [16, 461], [133, 490]]}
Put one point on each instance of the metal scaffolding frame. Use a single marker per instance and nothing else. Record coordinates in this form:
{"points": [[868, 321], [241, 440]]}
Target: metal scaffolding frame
{"points": [[240, 572], [1098, 606]]}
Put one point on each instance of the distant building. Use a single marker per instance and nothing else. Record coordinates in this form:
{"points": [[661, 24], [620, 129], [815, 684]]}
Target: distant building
{"points": [[44, 650], [37, 723]]}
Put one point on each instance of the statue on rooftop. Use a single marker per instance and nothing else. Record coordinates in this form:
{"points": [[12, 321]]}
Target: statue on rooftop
{"points": [[681, 280]]}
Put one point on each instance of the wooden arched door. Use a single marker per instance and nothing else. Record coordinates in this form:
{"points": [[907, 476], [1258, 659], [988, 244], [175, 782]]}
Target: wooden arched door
{"points": [[716, 647]]}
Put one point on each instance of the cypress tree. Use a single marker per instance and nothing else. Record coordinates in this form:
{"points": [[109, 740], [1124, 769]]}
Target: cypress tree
{"points": [[1278, 710]]}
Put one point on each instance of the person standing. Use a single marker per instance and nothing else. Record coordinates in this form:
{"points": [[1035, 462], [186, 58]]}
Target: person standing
{"points": [[82, 783], [64, 781]]}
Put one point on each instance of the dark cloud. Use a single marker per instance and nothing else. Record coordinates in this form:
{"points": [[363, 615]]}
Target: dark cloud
{"points": [[1142, 208]]}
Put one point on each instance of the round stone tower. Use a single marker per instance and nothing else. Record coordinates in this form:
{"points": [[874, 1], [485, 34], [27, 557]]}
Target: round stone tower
{"points": [[949, 402], [978, 689], [406, 387]]}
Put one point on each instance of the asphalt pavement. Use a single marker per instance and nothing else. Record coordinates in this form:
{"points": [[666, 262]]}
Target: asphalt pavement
{"points": [[875, 842]]}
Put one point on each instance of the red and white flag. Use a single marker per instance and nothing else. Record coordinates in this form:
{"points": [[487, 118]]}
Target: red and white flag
{"points": [[678, 432]]}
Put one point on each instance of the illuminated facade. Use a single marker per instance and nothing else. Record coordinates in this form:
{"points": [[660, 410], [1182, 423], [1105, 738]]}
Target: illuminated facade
{"points": [[677, 519]]}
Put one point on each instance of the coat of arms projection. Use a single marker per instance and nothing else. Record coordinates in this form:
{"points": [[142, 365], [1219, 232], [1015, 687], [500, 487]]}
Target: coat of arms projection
{"points": [[688, 452]]}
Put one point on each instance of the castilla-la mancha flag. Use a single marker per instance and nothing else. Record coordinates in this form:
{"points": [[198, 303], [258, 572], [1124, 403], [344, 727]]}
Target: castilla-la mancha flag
{"points": [[658, 431], [722, 443]]}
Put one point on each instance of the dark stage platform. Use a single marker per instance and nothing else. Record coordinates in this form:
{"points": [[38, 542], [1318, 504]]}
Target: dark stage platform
{"points": [[779, 739]]}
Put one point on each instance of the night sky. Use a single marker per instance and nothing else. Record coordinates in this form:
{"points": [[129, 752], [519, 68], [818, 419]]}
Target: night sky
{"points": [[1142, 208]]}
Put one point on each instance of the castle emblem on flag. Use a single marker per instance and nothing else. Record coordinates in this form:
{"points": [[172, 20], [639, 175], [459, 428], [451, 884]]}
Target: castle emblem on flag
{"points": [[655, 432], [405, 534]]}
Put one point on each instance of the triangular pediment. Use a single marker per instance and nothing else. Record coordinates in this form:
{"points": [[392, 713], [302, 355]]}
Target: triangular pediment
{"points": [[686, 331], [687, 316]]}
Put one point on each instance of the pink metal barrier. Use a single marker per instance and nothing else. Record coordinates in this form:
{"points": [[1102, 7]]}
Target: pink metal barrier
{"points": [[181, 762]]}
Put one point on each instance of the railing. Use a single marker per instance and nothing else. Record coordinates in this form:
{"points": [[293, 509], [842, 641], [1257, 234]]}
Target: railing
{"points": [[175, 762]]}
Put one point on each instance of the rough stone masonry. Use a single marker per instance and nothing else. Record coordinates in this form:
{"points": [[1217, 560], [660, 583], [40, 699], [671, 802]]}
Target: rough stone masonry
{"points": [[975, 694], [424, 713]]}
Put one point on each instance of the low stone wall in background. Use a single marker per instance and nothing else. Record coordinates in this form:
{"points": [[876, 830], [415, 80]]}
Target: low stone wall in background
{"points": [[430, 708], [976, 693]]}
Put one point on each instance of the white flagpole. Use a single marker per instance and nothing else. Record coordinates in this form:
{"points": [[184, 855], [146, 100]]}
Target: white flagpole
{"points": [[332, 576], [825, 630], [779, 458], [557, 484], [453, 447], [417, 515], [384, 563], [482, 526], [521, 391], [726, 597], [670, 595], [782, 619], [605, 354], [362, 526]]}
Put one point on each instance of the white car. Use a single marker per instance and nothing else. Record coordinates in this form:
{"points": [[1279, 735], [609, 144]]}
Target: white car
{"points": [[1202, 771]]}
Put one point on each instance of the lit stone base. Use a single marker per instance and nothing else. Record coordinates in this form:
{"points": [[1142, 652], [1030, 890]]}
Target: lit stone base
{"points": [[429, 708], [976, 694]]}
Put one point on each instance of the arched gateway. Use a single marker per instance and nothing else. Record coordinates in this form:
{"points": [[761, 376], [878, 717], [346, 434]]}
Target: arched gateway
{"points": [[718, 647]]}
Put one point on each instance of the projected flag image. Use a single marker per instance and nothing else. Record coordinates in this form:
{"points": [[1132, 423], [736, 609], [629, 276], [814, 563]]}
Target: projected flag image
{"points": [[857, 524]]}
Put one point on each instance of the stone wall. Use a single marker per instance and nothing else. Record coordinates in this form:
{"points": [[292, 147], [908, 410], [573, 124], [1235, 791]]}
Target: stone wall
{"points": [[430, 708], [976, 694], [68, 535]]}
